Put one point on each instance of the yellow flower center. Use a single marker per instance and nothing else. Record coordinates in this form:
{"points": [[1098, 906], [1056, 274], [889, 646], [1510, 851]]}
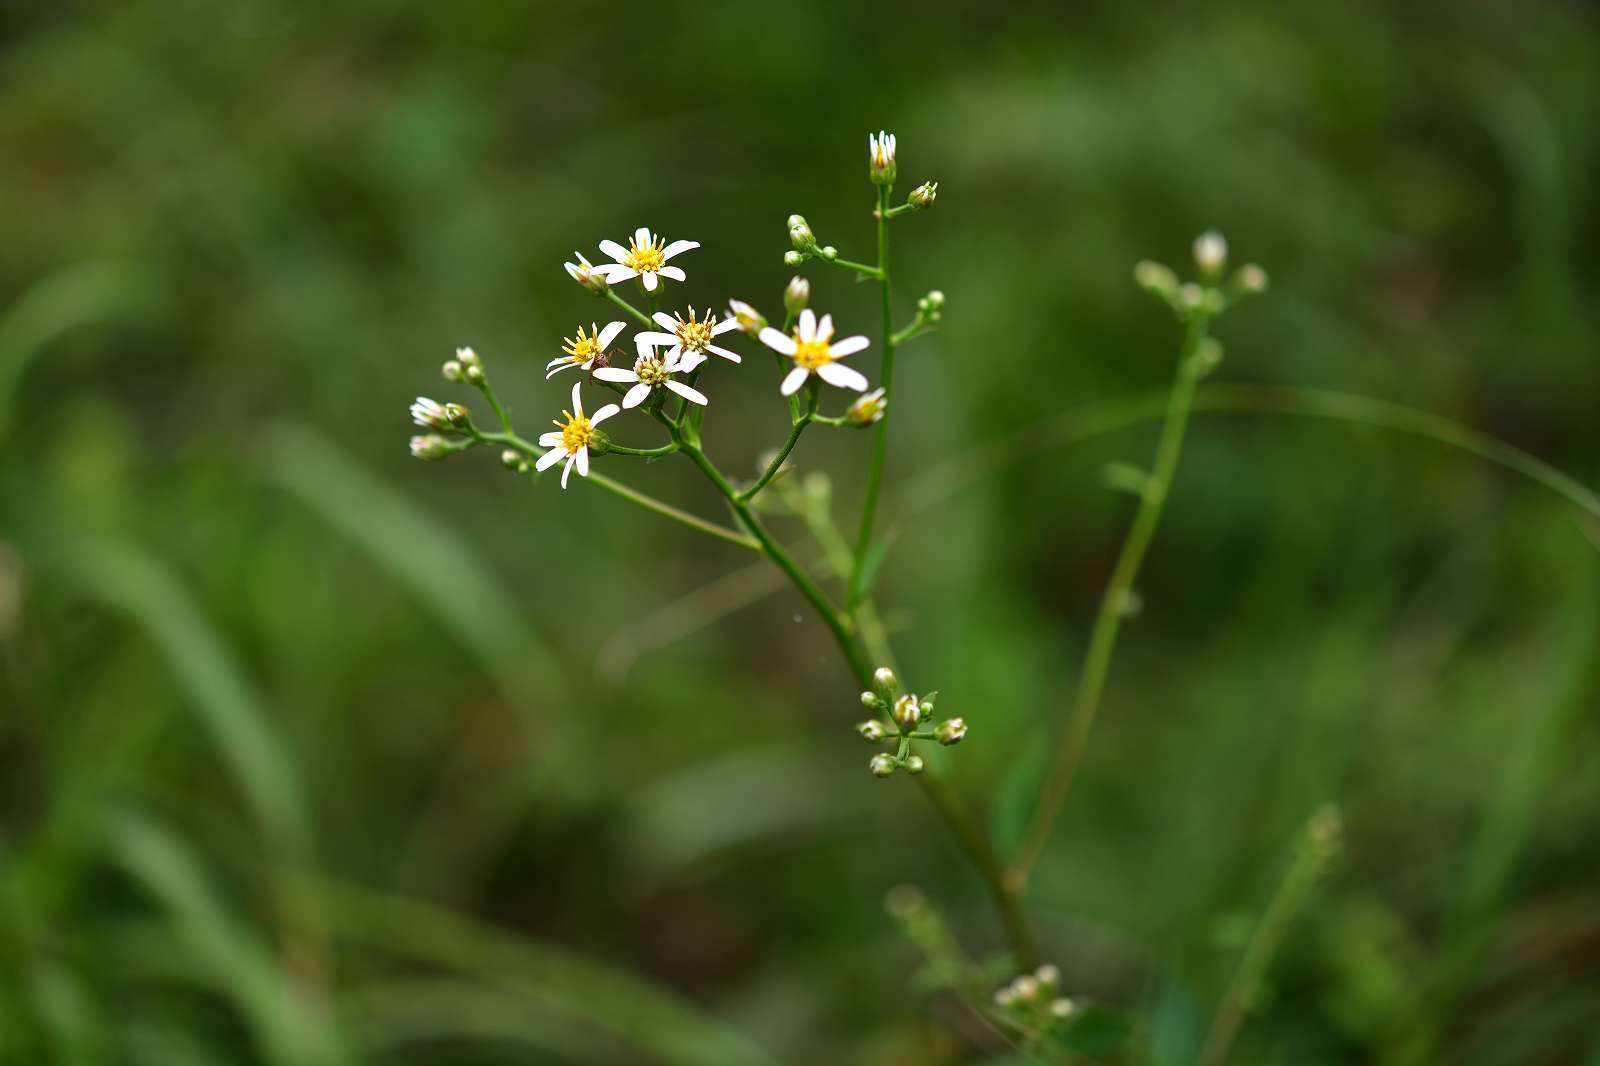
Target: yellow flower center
{"points": [[811, 354], [646, 258], [695, 334], [583, 347], [651, 370], [575, 431]]}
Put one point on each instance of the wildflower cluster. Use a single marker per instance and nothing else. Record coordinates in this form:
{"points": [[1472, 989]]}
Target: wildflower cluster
{"points": [[908, 716]]}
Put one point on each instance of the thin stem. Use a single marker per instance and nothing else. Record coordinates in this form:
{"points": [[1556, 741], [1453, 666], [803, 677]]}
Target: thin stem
{"points": [[1316, 846], [648, 453], [860, 268], [638, 315], [1114, 607], [777, 460], [880, 442], [649, 503]]}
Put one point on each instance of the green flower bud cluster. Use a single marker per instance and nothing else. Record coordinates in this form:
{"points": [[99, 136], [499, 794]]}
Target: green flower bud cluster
{"points": [[909, 716], [1209, 294], [1032, 1001]]}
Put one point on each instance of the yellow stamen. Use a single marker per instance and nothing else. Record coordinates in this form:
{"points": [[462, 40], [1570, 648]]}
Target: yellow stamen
{"points": [[646, 258], [583, 347], [575, 431], [811, 354], [694, 334]]}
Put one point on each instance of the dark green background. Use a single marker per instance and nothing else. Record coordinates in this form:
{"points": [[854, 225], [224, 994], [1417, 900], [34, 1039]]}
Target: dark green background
{"points": [[244, 636]]}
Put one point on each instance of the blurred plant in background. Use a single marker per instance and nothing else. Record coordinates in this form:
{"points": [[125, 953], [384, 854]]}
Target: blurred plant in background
{"points": [[296, 768]]}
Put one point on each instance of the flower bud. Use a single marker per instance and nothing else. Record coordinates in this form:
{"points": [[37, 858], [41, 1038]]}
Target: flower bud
{"points": [[871, 700], [951, 731], [915, 765], [1003, 998], [1025, 988], [468, 358], [880, 163], [750, 320], [828, 252], [923, 195], [1049, 976], [1156, 278], [795, 220], [1251, 280], [796, 295], [458, 415], [793, 258], [884, 683], [907, 711], [1191, 296], [430, 414], [474, 374], [1062, 1007], [881, 764], [599, 442], [1207, 356], [510, 459], [1210, 254], [868, 408], [800, 235], [451, 370], [429, 446], [932, 303], [871, 730]]}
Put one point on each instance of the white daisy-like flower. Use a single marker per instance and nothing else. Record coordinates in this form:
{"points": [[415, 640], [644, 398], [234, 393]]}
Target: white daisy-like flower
{"points": [[429, 413], [815, 352], [582, 349], [645, 259], [580, 270], [749, 319], [570, 439], [691, 337], [652, 370], [880, 146]]}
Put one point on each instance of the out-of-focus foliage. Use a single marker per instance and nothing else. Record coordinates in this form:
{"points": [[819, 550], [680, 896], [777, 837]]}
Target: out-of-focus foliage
{"points": [[312, 753]]}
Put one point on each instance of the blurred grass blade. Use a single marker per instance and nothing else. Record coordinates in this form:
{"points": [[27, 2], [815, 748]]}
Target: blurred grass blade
{"points": [[417, 1011], [125, 579], [429, 558], [646, 1016], [289, 1029], [77, 295]]}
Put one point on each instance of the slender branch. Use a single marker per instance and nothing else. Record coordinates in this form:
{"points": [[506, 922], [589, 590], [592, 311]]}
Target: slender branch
{"points": [[648, 453], [1113, 608], [638, 315], [860, 268], [777, 460], [880, 441]]}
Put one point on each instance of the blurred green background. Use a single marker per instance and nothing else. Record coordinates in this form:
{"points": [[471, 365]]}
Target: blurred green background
{"points": [[313, 753]]}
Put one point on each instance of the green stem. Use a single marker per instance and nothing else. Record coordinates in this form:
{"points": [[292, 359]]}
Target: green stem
{"points": [[649, 453], [880, 442], [1114, 607], [777, 460], [860, 268], [638, 315]]}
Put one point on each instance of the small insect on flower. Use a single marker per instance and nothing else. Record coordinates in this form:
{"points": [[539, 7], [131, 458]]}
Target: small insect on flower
{"points": [[814, 352], [582, 349], [749, 319], [649, 371], [880, 158], [571, 437], [688, 340], [645, 259]]}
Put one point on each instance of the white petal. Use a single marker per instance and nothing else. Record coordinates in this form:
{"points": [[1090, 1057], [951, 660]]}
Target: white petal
{"points": [[577, 397], [678, 248], [641, 237], [609, 334], [848, 346], [650, 281], [572, 270], [808, 325], [656, 337], [635, 395], [604, 413], [616, 251], [842, 376], [688, 361], [567, 470], [615, 373], [616, 273], [550, 440], [583, 461], [825, 328], [557, 366], [727, 323], [549, 458], [792, 383], [732, 357], [665, 321], [675, 273], [780, 342], [687, 393], [675, 351]]}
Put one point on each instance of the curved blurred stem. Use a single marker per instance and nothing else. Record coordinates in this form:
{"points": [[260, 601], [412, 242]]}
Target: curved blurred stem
{"points": [[880, 441], [1113, 607]]}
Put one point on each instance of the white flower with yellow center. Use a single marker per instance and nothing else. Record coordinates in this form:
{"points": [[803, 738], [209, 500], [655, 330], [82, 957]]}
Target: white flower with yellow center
{"points": [[749, 319], [691, 337], [645, 259], [580, 270], [651, 371], [814, 351], [582, 349], [571, 437]]}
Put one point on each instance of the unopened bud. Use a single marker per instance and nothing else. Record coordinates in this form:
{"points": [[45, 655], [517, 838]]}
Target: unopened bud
{"points": [[870, 699], [468, 358], [1251, 279], [951, 731], [1156, 278], [828, 252], [451, 370], [1025, 988], [796, 295], [794, 259], [801, 237], [474, 374], [458, 415], [881, 764], [907, 711], [884, 683], [750, 320], [871, 731], [510, 459], [923, 195], [1207, 356], [1003, 998], [1191, 296], [599, 441], [429, 446], [869, 408], [1049, 975], [1062, 1007], [430, 414], [880, 158], [1210, 254], [915, 765], [932, 303]]}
